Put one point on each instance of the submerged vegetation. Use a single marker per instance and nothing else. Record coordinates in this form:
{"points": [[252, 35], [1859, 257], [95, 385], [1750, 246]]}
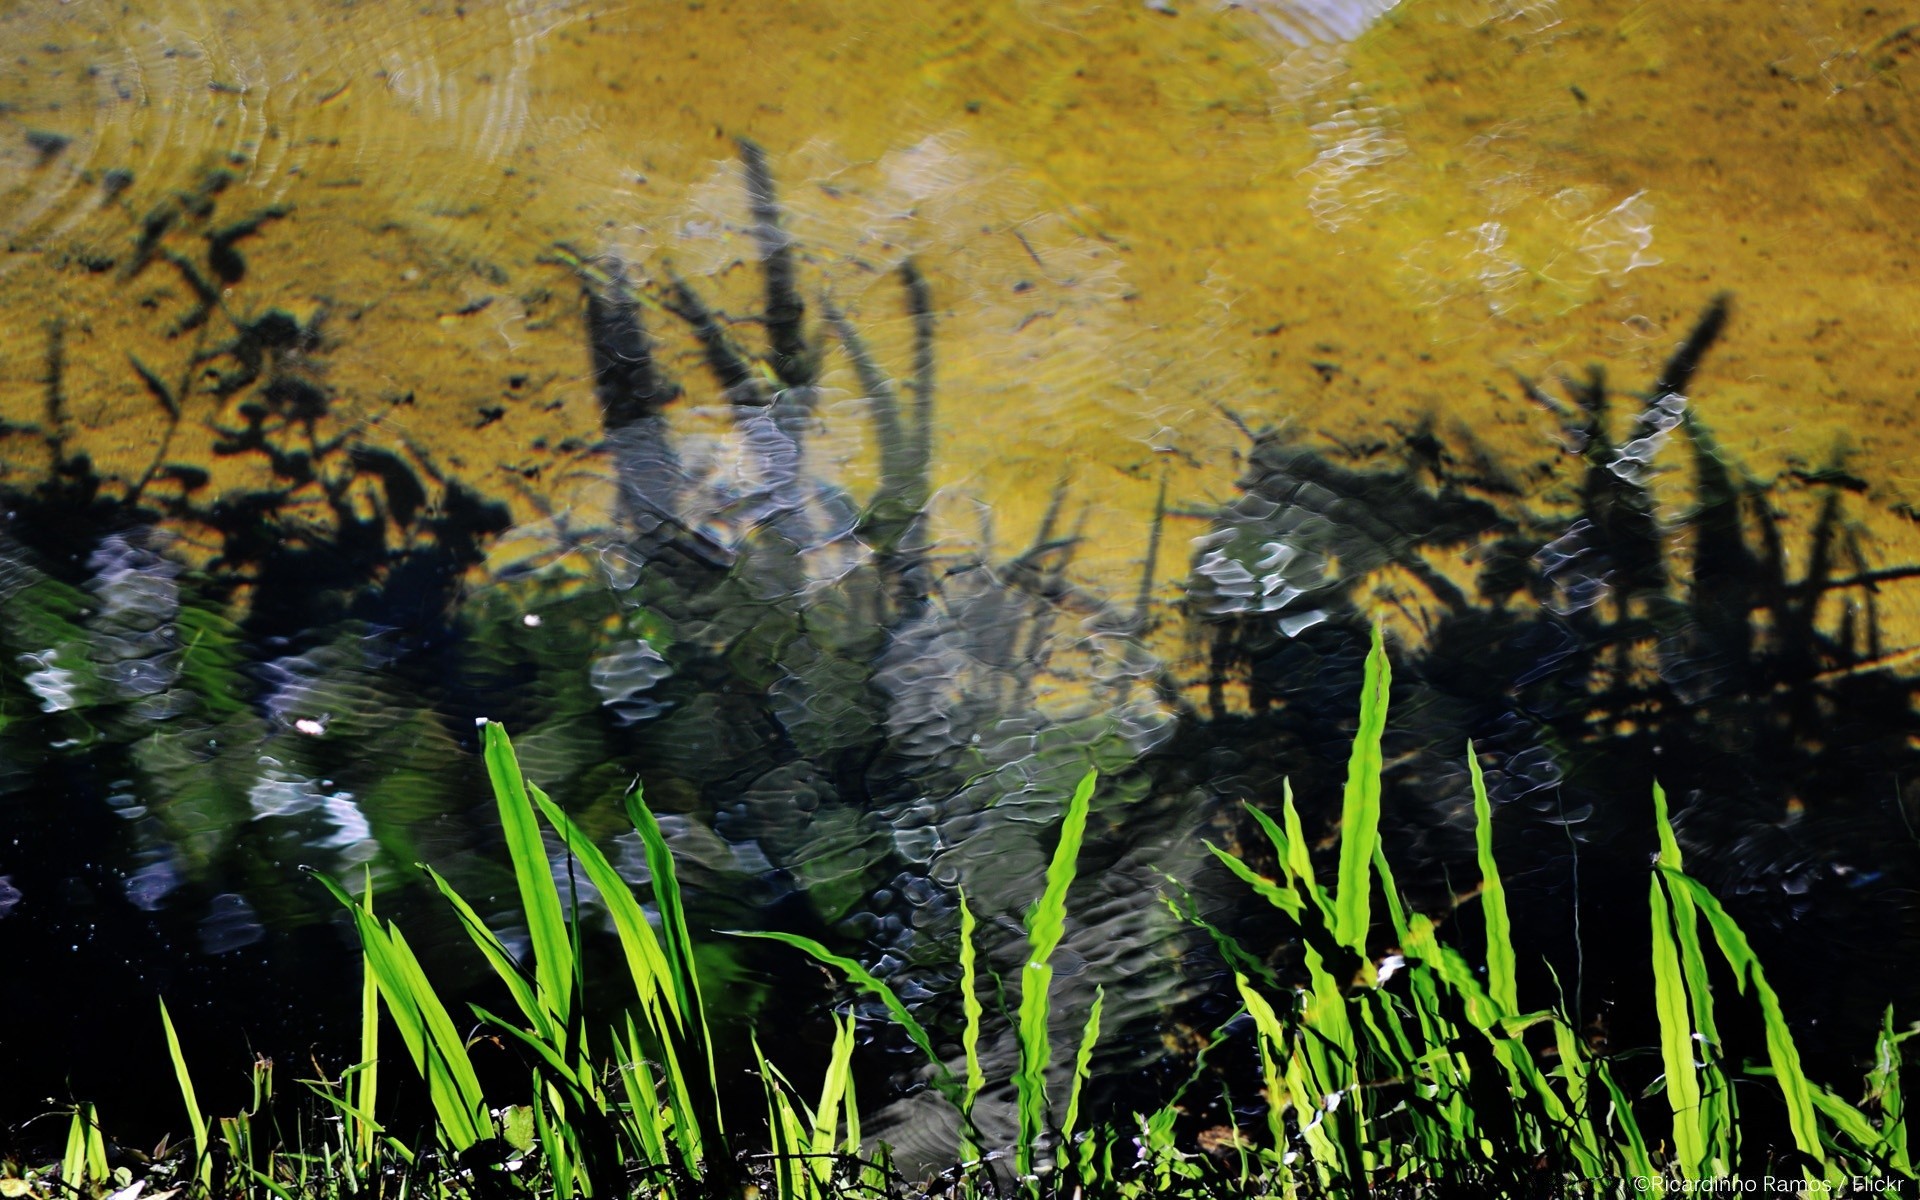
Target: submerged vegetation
{"points": [[1076, 934]]}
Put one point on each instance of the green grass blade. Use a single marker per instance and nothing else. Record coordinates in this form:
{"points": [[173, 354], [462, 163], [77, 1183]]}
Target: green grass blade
{"points": [[679, 942], [1635, 1158], [1883, 1087], [203, 1158], [436, 1048], [1046, 925], [646, 961], [451, 1078], [1676, 1037], [833, 1090], [1396, 910], [520, 986], [643, 1101], [1360, 807], [1716, 1112], [970, 1006], [1271, 1041], [73, 1163], [1284, 899], [96, 1146], [1783, 1054], [539, 895], [1502, 983], [366, 1087], [861, 978], [1082, 1066]]}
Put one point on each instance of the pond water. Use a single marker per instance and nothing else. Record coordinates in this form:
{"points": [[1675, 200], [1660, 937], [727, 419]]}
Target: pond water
{"points": [[852, 424]]}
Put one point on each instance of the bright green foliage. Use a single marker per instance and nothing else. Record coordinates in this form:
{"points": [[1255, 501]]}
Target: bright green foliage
{"points": [[1360, 810], [196, 1116], [1415, 1072], [1046, 925], [862, 978], [974, 1011], [1502, 982]]}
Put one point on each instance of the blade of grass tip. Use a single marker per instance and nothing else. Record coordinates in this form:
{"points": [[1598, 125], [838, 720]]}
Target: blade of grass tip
{"points": [[851, 1102], [673, 923], [643, 1101], [1676, 1037], [864, 979], [523, 989], [1360, 807], [203, 1159], [1784, 1055], [1296, 859], [96, 1153], [646, 961], [1502, 980], [450, 1078], [539, 895], [1717, 1116], [435, 1047], [1281, 898], [1082, 1066], [1046, 926], [971, 1006], [1883, 1084], [367, 1086], [73, 1164], [833, 1090]]}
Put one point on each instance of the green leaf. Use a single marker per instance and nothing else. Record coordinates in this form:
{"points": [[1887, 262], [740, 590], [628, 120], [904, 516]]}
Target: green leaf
{"points": [[1360, 807], [1502, 982], [539, 896], [1046, 925], [203, 1158]]}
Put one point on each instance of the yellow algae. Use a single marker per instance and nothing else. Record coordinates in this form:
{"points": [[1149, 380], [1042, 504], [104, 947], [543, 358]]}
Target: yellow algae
{"points": [[1135, 221]]}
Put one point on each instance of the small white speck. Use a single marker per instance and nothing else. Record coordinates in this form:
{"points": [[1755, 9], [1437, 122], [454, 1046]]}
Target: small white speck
{"points": [[531, 620], [479, 722], [310, 726]]}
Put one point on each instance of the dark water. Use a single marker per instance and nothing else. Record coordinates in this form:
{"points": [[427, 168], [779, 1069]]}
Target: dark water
{"points": [[847, 714]]}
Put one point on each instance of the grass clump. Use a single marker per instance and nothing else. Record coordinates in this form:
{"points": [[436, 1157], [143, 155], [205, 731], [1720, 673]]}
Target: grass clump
{"points": [[1392, 1065]]}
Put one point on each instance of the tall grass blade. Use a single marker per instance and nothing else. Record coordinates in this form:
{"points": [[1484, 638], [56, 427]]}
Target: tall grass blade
{"points": [[1502, 983], [1676, 1037], [1360, 807], [1082, 1066], [73, 1163], [861, 978], [1782, 1053], [435, 1045], [1716, 1111], [679, 943], [539, 895], [366, 1084], [973, 1011], [202, 1149], [1046, 925], [646, 961], [833, 1091], [1883, 1088]]}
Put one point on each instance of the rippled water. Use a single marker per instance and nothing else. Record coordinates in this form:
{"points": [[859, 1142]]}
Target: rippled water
{"points": [[372, 368]]}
